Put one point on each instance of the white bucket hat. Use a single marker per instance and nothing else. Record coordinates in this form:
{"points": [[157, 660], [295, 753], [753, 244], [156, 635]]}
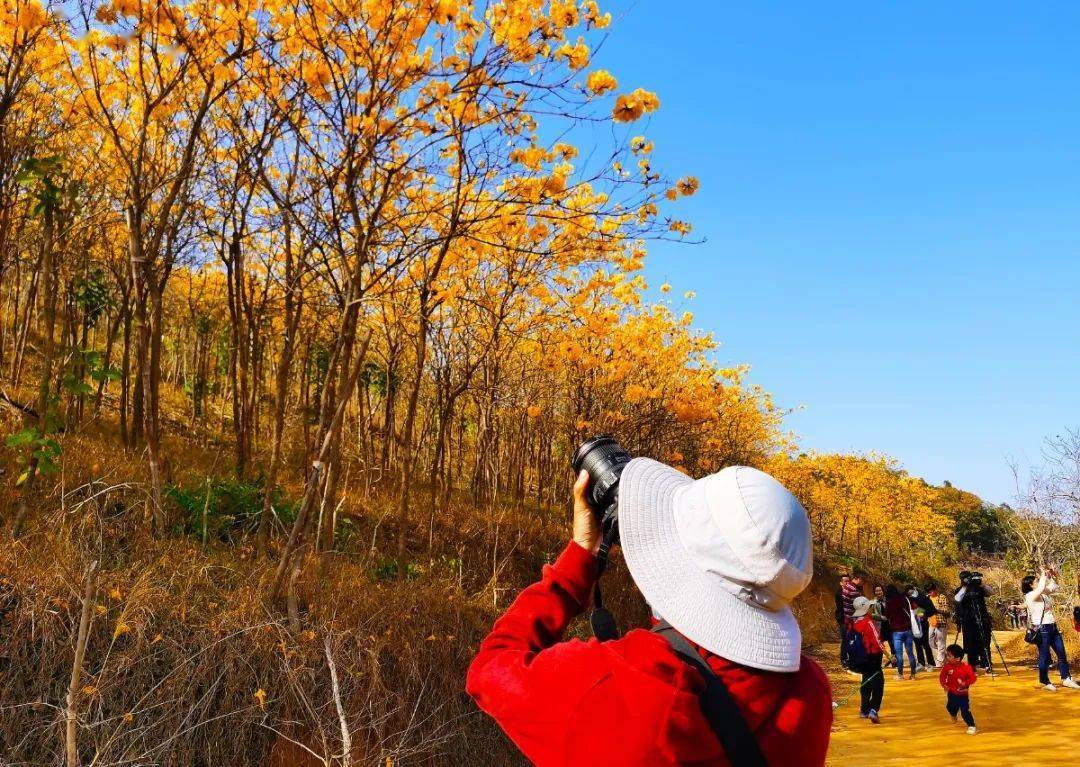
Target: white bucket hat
{"points": [[861, 606], [720, 558]]}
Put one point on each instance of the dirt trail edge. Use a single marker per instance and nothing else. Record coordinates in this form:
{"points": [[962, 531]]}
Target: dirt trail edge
{"points": [[1019, 722]]}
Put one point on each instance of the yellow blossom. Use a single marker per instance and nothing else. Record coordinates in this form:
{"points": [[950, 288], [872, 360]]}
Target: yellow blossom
{"points": [[631, 106], [687, 186], [577, 56], [31, 17], [601, 81]]}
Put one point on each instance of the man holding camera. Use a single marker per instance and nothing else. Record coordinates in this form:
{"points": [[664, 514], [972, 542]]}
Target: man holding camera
{"points": [[720, 559], [973, 617]]}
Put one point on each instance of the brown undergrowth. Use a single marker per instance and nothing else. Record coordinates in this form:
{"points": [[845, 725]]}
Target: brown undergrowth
{"points": [[187, 662]]}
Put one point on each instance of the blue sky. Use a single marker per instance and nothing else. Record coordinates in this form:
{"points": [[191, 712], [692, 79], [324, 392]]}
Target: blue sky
{"points": [[890, 199]]}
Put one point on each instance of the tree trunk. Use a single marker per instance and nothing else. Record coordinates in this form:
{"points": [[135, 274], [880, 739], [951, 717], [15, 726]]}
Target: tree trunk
{"points": [[293, 308], [47, 354], [71, 710], [330, 435], [125, 378], [405, 460]]}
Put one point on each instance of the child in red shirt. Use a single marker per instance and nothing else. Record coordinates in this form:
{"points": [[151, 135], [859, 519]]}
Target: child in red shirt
{"points": [[956, 679], [872, 688]]}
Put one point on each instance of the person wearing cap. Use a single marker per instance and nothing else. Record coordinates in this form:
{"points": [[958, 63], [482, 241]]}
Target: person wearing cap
{"points": [[872, 688], [720, 559]]}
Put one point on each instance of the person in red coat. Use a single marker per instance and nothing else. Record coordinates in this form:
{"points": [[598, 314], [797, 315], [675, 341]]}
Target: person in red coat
{"points": [[633, 701], [956, 679], [872, 689]]}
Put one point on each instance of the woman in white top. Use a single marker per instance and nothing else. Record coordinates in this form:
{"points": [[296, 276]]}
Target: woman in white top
{"points": [[1040, 609]]}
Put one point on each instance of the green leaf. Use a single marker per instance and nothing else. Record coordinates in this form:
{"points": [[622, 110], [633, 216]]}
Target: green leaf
{"points": [[23, 438]]}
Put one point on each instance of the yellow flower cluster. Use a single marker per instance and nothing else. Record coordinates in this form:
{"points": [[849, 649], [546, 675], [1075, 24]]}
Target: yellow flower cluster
{"points": [[577, 56], [687, 186], [600, 82], [631, 106]]}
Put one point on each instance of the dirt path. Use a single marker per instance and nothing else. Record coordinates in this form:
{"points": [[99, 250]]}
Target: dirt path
{"points": [[1019, 723]]}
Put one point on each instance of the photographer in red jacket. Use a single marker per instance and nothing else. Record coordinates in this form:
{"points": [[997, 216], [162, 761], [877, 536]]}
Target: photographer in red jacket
{"points": [[720, 559]]}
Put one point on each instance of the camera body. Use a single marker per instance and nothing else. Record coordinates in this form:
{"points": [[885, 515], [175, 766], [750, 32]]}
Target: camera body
{"points": [[976, 579], [604, 459]]}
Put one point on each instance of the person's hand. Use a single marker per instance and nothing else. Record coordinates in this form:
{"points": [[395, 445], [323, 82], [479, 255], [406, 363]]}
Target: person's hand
{"points": [[586, 525]]}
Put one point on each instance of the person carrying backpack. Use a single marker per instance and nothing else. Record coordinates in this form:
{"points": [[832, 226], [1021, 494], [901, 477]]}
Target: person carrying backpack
{"points": [[720, 558], [865, 649]]}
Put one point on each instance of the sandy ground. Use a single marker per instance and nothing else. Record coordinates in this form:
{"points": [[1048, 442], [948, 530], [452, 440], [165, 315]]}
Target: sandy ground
{"points": [[1019, 723]]}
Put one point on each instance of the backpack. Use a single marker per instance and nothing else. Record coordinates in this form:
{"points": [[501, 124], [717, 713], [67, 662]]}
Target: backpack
{"points": [[856, 650]]}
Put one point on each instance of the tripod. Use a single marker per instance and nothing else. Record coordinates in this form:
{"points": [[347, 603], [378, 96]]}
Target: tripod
{"points": [[977, 608]]}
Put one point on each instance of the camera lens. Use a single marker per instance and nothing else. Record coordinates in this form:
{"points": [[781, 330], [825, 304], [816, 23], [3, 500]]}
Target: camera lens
{"points": [[604, 459]]}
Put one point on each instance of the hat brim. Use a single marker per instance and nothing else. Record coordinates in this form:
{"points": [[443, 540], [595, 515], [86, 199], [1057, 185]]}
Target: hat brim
{"points": [[691, 599]]}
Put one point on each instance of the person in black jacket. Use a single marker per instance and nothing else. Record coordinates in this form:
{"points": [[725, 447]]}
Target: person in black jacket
{"points": [[973, 618], [924, 653]]}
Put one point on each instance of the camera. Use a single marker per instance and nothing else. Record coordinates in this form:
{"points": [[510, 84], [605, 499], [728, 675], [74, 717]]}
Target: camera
{"points": [[604, 459], [976, 579]]}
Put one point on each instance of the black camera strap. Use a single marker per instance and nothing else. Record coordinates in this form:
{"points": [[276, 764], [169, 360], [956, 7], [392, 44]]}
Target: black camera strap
{"points": [[719, 708], [602, 621]]}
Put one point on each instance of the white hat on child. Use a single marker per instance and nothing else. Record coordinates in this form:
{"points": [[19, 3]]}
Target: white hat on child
{"points": [[861, 605]]}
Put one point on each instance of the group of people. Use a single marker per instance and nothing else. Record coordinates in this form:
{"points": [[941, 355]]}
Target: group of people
{"points": [[915, 622], [910, 621], [1015, 615]]}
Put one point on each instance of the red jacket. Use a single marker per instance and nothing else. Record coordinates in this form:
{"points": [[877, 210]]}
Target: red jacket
{"points": [[631, 701], [956, 677], [871, 638]]}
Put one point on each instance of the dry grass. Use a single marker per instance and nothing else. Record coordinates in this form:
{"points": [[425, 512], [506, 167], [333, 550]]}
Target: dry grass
{"points": [[187, 663]]}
